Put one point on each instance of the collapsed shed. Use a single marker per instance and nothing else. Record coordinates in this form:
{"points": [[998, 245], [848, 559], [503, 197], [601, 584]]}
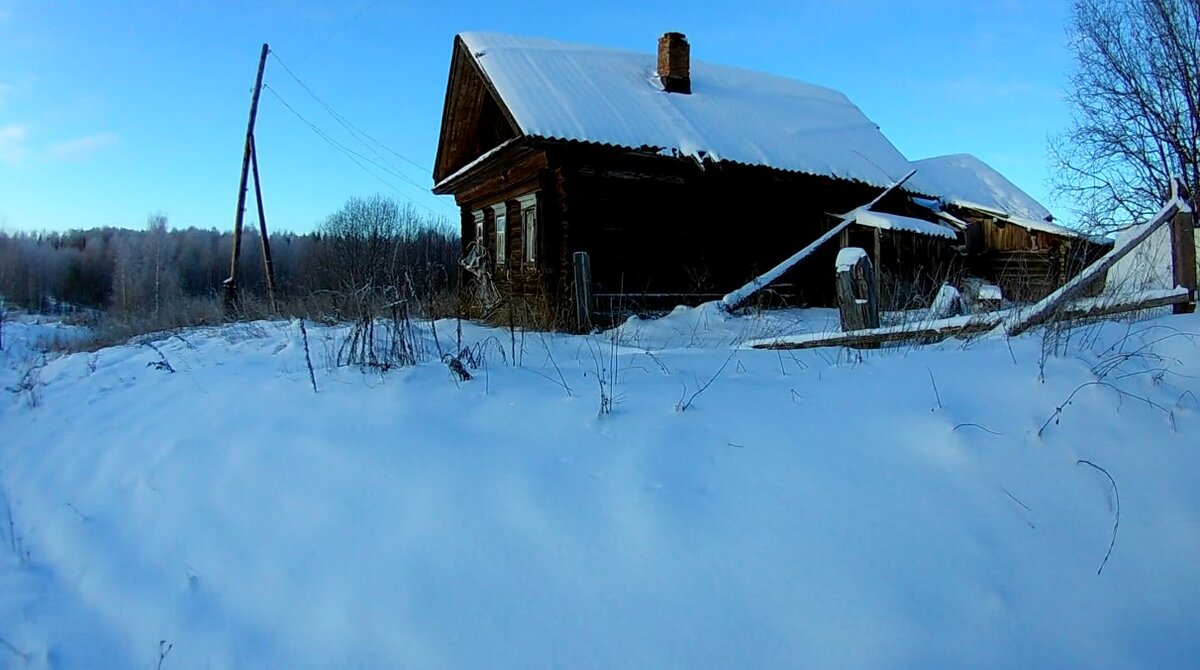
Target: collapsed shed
{"points": [[1008, 237]]}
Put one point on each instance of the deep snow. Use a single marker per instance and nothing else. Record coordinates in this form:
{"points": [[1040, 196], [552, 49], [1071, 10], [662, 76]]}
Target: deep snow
{"points": [[826, 508]]}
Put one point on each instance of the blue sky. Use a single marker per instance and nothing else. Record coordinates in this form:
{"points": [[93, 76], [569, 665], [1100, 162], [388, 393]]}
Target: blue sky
{"points": [[111, 110]]}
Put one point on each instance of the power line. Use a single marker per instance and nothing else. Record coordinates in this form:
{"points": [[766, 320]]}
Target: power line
{"points": [[354, 156], [354, 131], [340, 29]]}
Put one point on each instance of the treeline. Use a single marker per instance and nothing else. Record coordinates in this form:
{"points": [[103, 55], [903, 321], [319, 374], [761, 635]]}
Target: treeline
{"points": [[175, 277]]}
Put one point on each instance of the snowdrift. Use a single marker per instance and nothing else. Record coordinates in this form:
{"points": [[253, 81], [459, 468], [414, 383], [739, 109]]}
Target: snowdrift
{"points": [[917, 507]]}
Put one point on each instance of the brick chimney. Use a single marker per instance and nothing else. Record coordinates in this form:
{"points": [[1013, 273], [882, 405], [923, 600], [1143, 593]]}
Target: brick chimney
{"points": [[674, 63]]}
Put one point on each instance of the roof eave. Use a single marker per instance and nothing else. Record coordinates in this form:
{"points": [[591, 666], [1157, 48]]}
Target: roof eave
{"points": [[481, 165]]}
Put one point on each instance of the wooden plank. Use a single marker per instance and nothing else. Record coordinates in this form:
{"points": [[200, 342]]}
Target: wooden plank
{"points": [[878, 260], [583, 291], [920, 333], [737, 298], [1044, 310], [928, 332], [1183, 258], [1099, 308]]}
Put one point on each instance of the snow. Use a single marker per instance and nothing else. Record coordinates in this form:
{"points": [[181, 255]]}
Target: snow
{"points": [[848, 256], [988, 291], [584, 93], [1146, 267], [966, 181], [963, 179], [905, 224], [809, 509], [948, 302], [926, 320], [1106, 299], [471, 166]]}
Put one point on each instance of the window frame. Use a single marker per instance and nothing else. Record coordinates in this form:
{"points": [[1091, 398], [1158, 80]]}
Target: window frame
{"points": [[500, 223], [529, 210], [480, 230]]}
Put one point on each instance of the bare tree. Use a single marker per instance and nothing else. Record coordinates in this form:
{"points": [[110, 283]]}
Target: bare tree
{"points": [[1136, 108], [156, 229], [360, 241]]}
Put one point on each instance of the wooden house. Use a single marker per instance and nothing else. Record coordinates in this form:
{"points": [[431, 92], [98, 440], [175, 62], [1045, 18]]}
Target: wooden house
{"points": [[1008, 237], [678, 179]]}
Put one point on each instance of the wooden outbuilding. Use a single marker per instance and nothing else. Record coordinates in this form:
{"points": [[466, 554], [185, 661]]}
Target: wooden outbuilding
{"points": [[1008, 237]]}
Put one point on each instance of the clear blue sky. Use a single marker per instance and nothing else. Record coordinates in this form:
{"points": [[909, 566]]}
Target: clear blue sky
{"points": [[114, 109]]}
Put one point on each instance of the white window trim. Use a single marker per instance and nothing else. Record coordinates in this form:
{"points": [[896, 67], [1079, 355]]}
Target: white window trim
{"points": [[500, 219], [479, 231], [529, 233]]}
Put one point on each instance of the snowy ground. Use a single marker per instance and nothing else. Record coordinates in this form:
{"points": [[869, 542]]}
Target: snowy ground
{"points": [[826, 508]]}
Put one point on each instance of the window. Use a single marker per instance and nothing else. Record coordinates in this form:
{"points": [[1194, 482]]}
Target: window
{"points": [[529, 227], [479, 228], [500, 217]]}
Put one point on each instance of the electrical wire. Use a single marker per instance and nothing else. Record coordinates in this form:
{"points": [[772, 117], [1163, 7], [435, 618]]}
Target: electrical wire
{"points": [[339, 30], [357, 158], [354, 131]]}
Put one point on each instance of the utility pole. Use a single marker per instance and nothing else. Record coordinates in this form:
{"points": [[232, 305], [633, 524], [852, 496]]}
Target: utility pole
{"points": [[231, 286], [268, 266]]}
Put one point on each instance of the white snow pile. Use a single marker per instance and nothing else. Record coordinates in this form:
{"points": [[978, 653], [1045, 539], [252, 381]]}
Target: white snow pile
{"points": [[939, 507], [848, 257], [948, 302], [585, 93]]}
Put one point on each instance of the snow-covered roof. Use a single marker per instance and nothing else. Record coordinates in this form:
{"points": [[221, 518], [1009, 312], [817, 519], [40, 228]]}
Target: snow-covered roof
{"points": [[572, 92], [964, 180], [903, 223]]}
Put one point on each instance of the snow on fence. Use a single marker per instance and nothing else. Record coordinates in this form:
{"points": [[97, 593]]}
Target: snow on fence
{"points": [[935, 330], [1022, 320], [1061, 305]]}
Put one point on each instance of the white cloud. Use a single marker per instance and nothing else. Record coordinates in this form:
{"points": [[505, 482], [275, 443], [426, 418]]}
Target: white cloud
{"points": [[12, 144], [81, 148]]}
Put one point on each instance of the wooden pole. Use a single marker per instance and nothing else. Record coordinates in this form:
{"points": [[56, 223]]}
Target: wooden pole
{"points": [[1183, 258], [231, 283], [737, 298], [268, 265], [583, 290], [878, 260]]}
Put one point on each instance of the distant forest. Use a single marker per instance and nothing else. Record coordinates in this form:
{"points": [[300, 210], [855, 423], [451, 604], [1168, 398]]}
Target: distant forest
{"points": [[175, 276]]}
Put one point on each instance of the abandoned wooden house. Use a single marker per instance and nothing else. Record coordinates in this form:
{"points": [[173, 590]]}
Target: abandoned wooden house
{"points": [[1008, 237], [678, 179]]}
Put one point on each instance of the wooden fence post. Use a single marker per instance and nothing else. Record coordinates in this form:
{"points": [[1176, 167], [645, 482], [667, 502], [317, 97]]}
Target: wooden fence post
{"points": [[858, 299], [583, 290], [1183, 258], [878, 260]]}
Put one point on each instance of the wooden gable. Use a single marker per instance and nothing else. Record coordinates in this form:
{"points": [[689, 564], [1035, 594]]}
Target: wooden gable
{"points": [[474, 119]]}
